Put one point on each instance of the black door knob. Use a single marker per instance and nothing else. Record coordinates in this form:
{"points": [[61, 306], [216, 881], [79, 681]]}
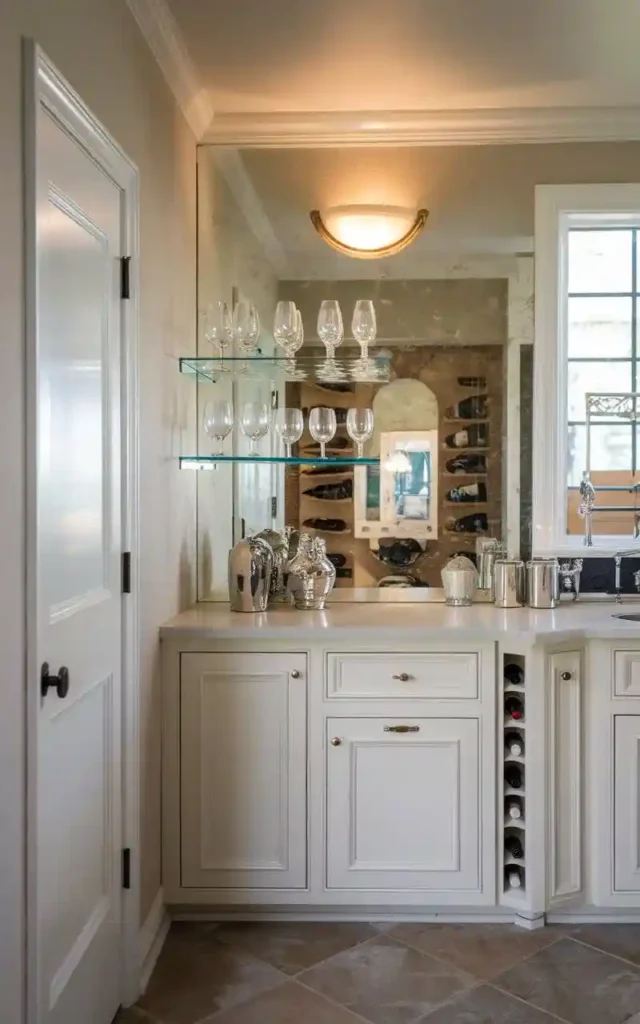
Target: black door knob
{"points": [[60, 683]]}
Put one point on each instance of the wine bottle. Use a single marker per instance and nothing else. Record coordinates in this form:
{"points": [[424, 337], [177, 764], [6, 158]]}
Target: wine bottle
{"points": [[514, 876], [514, 674], [475, 436], [472, 382], [513, 845], [337, 560], [513, 776], [332, 492], [514, 744], [514, 807], [476, 407], [344, 573], [514, 708], [326, 525], [476, 523], [470, 464], [325, 471], [470, 493]]}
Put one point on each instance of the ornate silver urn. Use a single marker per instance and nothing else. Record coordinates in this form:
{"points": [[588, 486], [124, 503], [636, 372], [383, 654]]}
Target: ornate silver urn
{"points": [[311, 574]]}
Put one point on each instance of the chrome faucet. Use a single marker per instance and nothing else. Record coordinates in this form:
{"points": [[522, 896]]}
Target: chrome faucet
{"points": [[617, 558]]}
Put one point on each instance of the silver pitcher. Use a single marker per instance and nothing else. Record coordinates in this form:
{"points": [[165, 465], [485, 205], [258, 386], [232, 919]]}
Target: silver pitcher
{"points": [[278, 541], [250, 571], [311, 574]]}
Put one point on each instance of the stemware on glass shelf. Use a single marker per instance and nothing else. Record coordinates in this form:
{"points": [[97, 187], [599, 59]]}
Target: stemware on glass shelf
{"points": [[364, 325], [360, 427], [254, 422], [246, 326], [322, 427], [218, 421], [285, 323], [218, 329], [289, 424], [330, 326]]}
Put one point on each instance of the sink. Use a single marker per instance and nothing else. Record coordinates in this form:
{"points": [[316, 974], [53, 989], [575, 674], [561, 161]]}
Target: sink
{"points": [[630, 616]]}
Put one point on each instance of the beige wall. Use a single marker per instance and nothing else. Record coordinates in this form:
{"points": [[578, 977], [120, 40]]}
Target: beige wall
{"points": [[97, 46]]}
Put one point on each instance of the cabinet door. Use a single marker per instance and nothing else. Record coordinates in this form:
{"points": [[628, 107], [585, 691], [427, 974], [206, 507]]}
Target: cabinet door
{"points": [[243, 770], [626, 837], [403, 807]]}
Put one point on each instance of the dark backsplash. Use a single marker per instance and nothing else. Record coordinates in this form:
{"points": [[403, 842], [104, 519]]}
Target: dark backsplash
{"points": [[598, 575]]}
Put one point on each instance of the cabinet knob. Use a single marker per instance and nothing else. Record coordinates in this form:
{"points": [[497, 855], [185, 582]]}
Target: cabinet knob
{"points": [[404, 677], [296, 674], [336, 741], [566, 676]]}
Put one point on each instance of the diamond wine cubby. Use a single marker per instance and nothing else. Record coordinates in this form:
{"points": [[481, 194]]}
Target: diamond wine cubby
{"points": [[514, 716]]}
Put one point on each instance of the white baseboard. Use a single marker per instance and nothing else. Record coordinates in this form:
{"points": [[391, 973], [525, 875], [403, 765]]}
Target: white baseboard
{"points": [[152, 935]]}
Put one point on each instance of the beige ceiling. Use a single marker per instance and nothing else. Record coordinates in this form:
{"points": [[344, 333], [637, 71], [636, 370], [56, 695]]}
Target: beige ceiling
{"points": [[349, 55], [481, 198]]}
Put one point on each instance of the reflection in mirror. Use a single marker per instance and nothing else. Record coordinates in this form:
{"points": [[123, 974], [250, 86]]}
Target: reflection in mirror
{"points": [[428, 337]]}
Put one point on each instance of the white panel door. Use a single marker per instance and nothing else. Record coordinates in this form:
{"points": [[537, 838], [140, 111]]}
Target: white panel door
{"points": [[626, 833], [403, 807], [78, 814], [243, 770]]}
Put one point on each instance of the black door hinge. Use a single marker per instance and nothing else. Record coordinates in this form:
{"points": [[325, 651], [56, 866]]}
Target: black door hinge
{"points": [[275, 400], [126, 572], [125, 282], [274, 508], [126, 868]]}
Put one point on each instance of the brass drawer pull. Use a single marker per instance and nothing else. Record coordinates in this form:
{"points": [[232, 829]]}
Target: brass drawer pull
{"points": [[404, 677], [401, 728]]}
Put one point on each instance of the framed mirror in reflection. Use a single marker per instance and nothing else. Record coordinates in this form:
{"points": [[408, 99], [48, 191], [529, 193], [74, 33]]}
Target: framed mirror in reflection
{"points": [[400, 498]]}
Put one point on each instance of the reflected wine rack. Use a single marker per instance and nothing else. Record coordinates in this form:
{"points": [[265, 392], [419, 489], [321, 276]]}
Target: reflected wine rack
{"points": [[514, 776]]}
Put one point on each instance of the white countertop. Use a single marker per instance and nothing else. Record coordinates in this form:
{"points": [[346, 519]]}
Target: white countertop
{"points": [[407, 621]]}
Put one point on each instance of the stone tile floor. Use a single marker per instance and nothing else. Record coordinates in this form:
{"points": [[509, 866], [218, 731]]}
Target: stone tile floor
{"points": [[323, 973]]}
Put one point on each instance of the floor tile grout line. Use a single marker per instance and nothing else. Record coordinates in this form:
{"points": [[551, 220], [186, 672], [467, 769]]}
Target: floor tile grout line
{"points": [[438, 959], [332, 1002], [449, 963], [525, 1002], [606, 952]]}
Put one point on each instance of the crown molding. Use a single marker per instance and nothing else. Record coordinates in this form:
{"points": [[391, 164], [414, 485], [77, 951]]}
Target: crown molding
{"points": [[426, 128], [161, 32]]}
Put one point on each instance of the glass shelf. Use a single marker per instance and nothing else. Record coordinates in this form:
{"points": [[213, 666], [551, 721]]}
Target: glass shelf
{"points": [[210, 461], [316, 367]]}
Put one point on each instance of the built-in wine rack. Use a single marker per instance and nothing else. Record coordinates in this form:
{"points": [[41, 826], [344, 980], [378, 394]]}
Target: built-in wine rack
{"points": [[514, 776]]}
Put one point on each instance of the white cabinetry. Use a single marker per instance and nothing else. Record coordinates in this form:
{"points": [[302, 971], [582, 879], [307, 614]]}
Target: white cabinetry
{"points": [[243, 765], [565, 777], [403, 800], [626, 808]]}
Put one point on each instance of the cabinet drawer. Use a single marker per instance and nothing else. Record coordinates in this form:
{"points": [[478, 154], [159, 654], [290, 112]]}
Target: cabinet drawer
{"points": [[443, 675], [626, 673]]}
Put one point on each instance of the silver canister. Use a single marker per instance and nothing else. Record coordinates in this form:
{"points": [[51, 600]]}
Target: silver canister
{"points": [[509, 582], [488, 550], [278, 541], [250, 572], [459, 581], [543, 583]]}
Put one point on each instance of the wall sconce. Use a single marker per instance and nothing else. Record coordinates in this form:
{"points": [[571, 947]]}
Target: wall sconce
{"points": [[369, 232]]}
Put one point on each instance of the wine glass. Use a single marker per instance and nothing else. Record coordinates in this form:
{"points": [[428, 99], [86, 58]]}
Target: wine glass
{"points": [[218, 421], [330, 326], [218, 326], [285, 324], [322, 426], [360, 427], [363, 325], [289, 424], [254, 423], [246, 326]]}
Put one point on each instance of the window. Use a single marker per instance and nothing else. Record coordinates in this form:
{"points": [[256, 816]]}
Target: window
{"points": [[586, 342]]}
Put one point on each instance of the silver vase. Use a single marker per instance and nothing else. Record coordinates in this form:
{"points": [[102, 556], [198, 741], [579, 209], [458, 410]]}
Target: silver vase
{"points": [[278, 541], [311, 574], [250, 571]]}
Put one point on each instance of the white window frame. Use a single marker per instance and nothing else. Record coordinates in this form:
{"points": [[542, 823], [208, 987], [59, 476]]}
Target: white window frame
{"points": [[558, 208]]}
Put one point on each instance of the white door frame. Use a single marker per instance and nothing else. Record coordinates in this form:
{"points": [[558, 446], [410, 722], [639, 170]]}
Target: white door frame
{"points": [[44, 86]]}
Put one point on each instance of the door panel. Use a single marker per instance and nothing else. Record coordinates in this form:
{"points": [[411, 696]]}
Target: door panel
{"points": [[403, 808], [626, 837], [243, 770], [78, 890]]}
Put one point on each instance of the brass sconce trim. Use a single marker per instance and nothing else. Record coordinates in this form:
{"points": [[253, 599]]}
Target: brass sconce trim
{"points": [[369, 254]]}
